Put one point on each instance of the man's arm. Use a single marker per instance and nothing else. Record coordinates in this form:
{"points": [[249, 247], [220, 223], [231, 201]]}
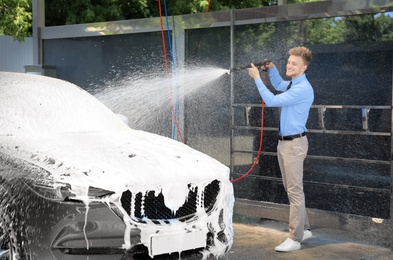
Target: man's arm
{"points": [[278, 83]]}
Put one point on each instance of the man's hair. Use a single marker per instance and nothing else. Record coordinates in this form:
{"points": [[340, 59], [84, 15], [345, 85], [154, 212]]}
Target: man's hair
{"points": [[302, 52]]}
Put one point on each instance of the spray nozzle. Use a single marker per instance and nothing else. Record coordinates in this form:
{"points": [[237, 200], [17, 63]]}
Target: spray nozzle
{"points": [[259, 64]]}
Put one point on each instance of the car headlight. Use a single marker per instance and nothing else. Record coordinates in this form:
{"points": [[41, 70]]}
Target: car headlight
{"points": [[67, 192]]}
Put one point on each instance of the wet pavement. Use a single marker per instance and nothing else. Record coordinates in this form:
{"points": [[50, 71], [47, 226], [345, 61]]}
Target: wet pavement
{"points": [[256, 239]]}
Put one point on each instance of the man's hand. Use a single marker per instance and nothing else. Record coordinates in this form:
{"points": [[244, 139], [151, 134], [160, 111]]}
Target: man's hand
{"points": [[253, 72], [267, 65]]}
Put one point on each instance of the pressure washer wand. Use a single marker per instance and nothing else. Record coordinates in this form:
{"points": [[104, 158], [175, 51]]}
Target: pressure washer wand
{"points": [[263, 63]]}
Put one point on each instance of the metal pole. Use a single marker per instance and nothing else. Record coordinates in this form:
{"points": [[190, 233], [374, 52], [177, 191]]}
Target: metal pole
{"points": [[178, 48], [38, 8], [232, 33], [391, 154]]}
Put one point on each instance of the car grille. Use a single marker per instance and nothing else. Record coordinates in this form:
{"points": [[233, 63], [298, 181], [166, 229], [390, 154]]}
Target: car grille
{"points": [[152, 206]]}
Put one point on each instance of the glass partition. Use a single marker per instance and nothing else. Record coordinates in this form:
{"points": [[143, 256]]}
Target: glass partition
{"points": [[128, 68], [208, 111]]}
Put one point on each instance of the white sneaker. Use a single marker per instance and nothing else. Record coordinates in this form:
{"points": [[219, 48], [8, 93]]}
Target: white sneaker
{"points": [[288, 245], [306, 235]]}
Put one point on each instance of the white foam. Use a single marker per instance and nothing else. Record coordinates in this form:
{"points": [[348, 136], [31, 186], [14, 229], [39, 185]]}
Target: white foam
{"points": [[64, 130]]}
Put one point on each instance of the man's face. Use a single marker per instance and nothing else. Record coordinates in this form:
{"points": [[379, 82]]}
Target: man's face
{"points": [[295, 66]]}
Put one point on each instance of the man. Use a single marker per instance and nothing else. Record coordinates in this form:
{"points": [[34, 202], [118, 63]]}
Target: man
{"points": [[295, 101]]}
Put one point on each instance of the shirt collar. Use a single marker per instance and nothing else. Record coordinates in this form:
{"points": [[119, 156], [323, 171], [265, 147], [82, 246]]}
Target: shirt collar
{"points": [[298, 79]]}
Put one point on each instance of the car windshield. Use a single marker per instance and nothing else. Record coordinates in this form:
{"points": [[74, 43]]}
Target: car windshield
{"points": [[33, 104]]}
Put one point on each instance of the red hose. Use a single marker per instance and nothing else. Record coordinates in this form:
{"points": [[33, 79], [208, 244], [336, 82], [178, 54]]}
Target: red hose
{"points": [[260, 140], [163, 38]]}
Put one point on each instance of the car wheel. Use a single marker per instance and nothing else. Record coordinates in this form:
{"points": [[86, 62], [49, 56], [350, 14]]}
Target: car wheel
{"points": [[13, 241]]}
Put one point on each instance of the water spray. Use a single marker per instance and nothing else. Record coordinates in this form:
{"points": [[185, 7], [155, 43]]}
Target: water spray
{"points": [[263, 63]]}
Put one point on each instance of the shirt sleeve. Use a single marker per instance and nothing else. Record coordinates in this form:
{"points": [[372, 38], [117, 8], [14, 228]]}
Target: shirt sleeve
{"points": [[275, 78], [287, 98], [264, 92]]}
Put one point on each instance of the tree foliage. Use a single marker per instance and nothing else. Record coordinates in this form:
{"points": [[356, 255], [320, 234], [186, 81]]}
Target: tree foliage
{"points": [[60, 12], [15, 18], [16, 15]]}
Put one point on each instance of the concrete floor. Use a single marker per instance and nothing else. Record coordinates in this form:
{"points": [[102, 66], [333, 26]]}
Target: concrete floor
{"points": [[256, 239]]}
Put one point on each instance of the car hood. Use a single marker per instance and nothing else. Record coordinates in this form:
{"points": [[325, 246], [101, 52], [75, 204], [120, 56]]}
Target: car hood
{"points": [[114, 161], [64, 130]]}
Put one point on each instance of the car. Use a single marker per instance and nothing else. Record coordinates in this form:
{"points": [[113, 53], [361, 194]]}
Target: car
{"points": [[76, 182]]}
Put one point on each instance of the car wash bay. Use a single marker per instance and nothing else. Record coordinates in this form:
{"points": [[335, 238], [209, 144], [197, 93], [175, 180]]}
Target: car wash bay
{"points": [[348, 170]]}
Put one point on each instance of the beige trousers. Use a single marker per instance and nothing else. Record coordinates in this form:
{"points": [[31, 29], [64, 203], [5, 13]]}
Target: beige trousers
{"points": [[291, 155]]}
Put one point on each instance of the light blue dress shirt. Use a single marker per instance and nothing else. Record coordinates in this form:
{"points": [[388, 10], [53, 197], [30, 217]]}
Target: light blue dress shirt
{"points": [[295, 102]]}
